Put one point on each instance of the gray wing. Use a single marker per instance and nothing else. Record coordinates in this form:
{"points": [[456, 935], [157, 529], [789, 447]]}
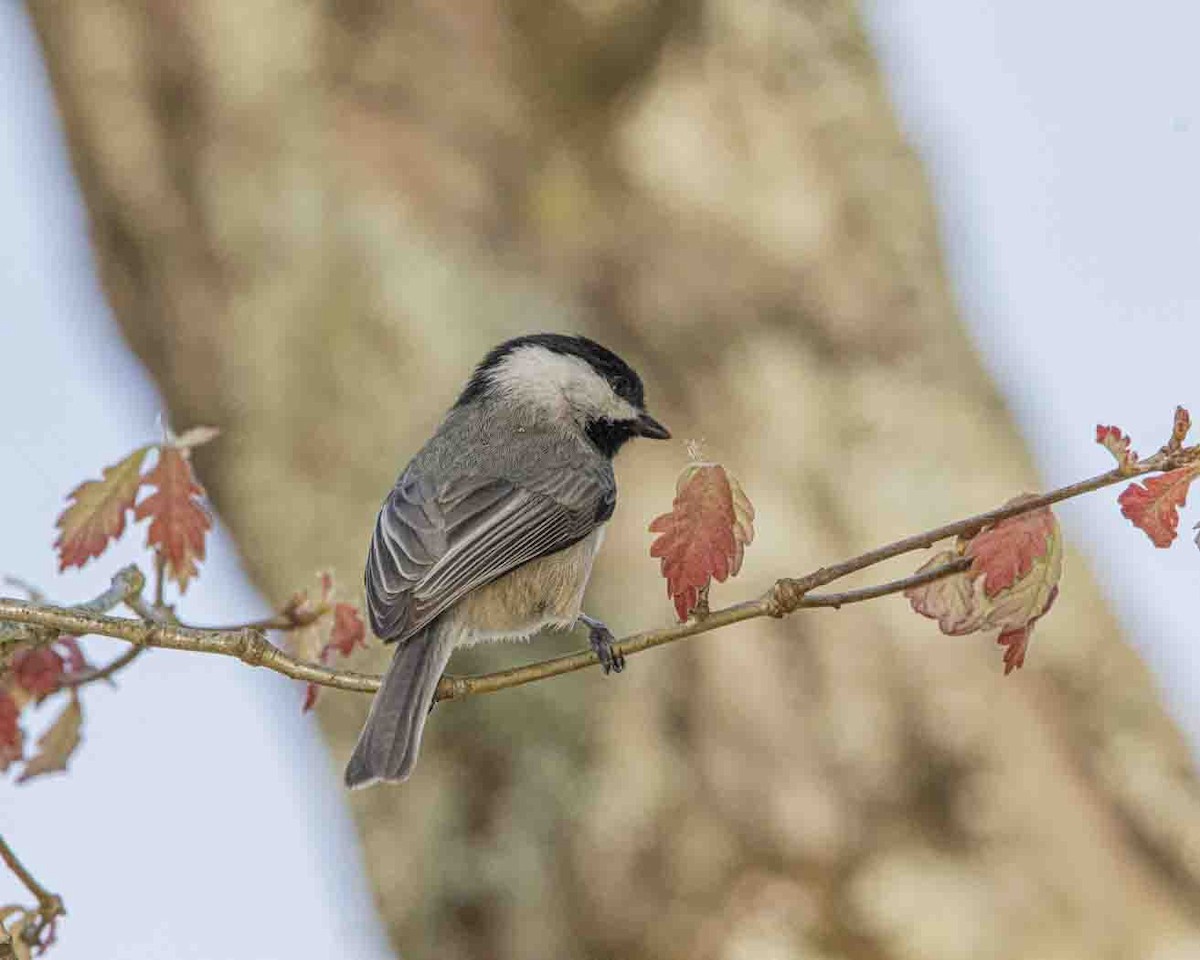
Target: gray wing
{"points": [[433, 546]]}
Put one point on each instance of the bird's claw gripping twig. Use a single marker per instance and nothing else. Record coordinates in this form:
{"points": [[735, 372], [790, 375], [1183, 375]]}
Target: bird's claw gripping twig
{"points": [[601, 639]]}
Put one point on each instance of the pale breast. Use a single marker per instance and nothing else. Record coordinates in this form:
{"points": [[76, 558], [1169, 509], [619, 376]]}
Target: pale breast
{"points": [[543, 592]]}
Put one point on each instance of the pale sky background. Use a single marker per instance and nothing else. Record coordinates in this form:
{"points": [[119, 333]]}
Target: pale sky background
{"points": [[202, 819]]}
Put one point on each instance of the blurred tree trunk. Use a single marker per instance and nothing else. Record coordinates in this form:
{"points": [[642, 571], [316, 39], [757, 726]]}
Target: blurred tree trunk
{"points": [[312, 218]]}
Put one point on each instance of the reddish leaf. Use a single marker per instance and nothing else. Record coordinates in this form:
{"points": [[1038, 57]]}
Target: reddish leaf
{"points": [[1153, 505], [955, 602], [1016, 641], [57, 744], [72, 654], [37, 672], [1011, 584], [705, 534], [1117, 443], [12, 737], [97, 515], [348, 630], [178, 519], [1006, 552]]}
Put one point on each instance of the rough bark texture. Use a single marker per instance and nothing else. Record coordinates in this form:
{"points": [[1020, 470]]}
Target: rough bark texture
{"points": [[311, 218]]}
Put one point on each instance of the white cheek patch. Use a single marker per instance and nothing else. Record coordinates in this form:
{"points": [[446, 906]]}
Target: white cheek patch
{"points": [[561, 384], [594, 398]]}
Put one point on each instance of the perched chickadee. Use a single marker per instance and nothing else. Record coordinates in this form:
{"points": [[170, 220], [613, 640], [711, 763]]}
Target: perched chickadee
{"points": [[490, 532]]}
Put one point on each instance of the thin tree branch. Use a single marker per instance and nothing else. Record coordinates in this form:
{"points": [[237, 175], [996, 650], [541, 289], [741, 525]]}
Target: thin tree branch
{"points": [[454, 688], [126, 582], [49, 905], [82, 678], [149, 614], [244, 643], [839, 600], [788, 592], [290, 618], [34, 593], [159, 613], [249, 644], [40, 893]]}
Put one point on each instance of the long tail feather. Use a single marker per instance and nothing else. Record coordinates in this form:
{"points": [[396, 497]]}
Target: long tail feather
{"points": [[391, 739]]}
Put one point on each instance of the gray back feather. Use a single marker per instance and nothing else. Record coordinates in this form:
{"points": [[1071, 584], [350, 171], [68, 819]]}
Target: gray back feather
{"points": [[489, 492]]}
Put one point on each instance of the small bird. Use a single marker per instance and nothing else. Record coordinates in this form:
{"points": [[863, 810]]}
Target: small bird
{"points": [[491, 529]]}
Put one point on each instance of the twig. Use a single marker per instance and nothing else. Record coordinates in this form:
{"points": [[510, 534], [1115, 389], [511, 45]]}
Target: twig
{"points": [[33, 592], [838, 600], [126, 583], [149, 614], [453, 688], [159, 613], [290, 618], [83, 677], [40, 893], [245, 643], [248, 643], [789, 591], [49, 905], [135, 583]]}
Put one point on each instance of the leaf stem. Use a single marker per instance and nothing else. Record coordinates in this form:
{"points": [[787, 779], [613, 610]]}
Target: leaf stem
{"points": [[160, 581]]}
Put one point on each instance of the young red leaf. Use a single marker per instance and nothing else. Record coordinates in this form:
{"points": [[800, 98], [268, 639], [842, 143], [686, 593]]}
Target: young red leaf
{"points": [[1017, 611], [1006, 552], [1015, 643], [37, 672], [178, 519], [1117, 443], [57, 744], [1153, 505], [704, 536], [73, 659], [955, 602], [346, 632], [1011, 584], [97, 514], [348, 629], [1030, 597], [12, 737]]}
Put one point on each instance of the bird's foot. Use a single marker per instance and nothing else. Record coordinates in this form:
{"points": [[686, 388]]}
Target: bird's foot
{"points": [[601, 641]]}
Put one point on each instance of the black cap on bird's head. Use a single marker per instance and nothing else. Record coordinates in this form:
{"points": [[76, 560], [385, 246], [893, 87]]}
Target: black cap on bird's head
{"points": [[568, 376]]}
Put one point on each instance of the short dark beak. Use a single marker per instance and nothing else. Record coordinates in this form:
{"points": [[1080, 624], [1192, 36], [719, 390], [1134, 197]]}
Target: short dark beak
{"points": [[647, 426]]}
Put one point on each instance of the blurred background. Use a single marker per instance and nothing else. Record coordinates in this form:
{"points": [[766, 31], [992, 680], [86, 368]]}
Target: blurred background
{"points": [[892, 261]]}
